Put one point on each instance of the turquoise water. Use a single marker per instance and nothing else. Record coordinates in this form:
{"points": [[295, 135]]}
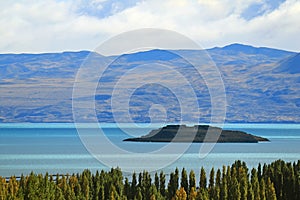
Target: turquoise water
{"points": [[57, 148]]}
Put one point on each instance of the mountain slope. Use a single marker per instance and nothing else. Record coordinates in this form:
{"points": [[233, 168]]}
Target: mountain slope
{"points": [[290, 65], [262, 85]]}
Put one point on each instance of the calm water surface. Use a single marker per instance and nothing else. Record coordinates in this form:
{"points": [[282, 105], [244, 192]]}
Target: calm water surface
{"points": [[57, 148]]}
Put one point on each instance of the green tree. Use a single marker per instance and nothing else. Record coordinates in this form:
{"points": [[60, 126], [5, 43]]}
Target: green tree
{"points": [[162, 183], [224, 187], [216, 193], [172, 186], [255, 184], [211, 178], [202, 182], [69, 194], [96, 185], [146, 184], [58, 195], [75, 186], [270, 190], [32, 187], [243, 178], [202, 194], [156, 181], [228, 174], [234, 189], [113, 193], [250, 194], [259, 172], [192, 180], [176, 178], [218, 178], [211, 188], [154, 194], [86, 187], [13, 187], [296, 168], [101, 195], [184, 181], [262, 190], [127, 191], [193, 194], [117, 180], [139, 195], [289, 181], [22, 187], [133, 186], [3, 188]]}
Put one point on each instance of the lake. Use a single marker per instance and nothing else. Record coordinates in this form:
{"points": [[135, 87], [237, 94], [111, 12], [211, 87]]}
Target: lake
{"points": [[57, 148]]}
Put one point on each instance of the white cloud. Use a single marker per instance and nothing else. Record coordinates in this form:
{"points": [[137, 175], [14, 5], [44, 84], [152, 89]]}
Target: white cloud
{"points": [[44, 26]]}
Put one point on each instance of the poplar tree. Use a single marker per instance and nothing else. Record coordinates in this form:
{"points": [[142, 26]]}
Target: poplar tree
{"points": [[13, 187], [211, 178], [211, 188], [202, 194], [234, 189], [139, 195], [127, 191], [224, 188], [218, 178], [255, 184], [202, 182], [133, 186], [156, 181], [3, 189], [243, 178], [259, 172], [270, 190], [162, 183], [101, 195], [85, 187], [146, 184], [154, 194], [176, 180], [193, 194], [184, 181], [250, 194], [262, 190], [192, 180], [172, 186]]}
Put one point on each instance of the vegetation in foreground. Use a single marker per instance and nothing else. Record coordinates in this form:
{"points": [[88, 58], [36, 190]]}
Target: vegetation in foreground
{"points": [[278, 180]]}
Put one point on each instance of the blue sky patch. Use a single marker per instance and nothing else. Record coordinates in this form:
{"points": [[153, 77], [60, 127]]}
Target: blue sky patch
{"points": [[103, 8], [261, 8]]}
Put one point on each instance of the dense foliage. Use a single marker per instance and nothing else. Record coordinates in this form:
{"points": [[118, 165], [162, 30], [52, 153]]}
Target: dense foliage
{"points": [[278, 180]]}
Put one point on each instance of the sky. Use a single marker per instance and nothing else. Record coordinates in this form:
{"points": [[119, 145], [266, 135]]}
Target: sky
{"points": [[32, 26]]}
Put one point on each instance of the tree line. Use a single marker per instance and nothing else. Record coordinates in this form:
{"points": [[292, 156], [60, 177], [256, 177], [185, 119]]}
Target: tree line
{"points": [[279, 180]]}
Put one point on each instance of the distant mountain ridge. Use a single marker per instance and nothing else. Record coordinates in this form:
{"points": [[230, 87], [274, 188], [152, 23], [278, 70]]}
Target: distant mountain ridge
{"points": [[262, 85], [253, 50]]}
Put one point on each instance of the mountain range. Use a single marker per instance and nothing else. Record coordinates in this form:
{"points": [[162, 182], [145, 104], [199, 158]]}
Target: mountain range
{"points": [[262, 85]]}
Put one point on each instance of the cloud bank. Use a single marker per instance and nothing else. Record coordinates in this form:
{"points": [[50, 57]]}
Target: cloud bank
{"points": [[65, 25]]}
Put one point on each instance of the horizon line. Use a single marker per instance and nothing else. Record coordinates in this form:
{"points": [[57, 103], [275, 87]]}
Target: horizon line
{"points": [[150, 49]]}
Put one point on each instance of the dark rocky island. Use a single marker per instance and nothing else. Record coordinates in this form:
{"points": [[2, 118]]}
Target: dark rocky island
{"points": [[197, 133]]}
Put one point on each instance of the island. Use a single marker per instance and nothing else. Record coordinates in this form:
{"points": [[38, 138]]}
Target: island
{"points": [[197, 134]]}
